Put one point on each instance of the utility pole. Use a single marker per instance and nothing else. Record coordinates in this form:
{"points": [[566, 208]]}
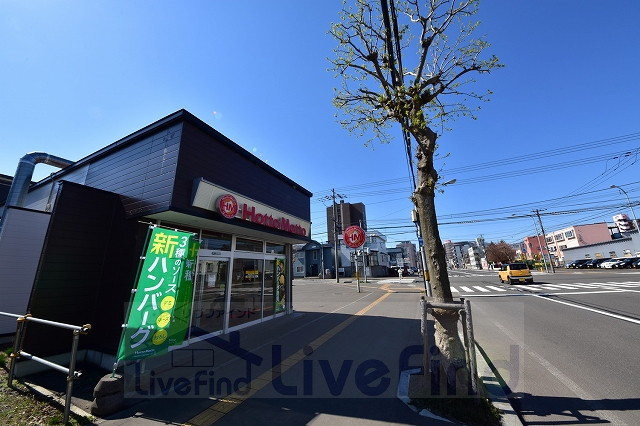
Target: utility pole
{"points": [[546, 268], [335, 232], [537, 212]]}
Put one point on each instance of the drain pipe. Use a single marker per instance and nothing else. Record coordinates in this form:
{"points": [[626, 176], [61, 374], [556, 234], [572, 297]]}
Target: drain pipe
{"points": [[24, 173]]}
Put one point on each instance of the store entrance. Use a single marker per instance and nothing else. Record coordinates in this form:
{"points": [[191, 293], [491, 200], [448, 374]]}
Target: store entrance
{"points": [[210, 293]]}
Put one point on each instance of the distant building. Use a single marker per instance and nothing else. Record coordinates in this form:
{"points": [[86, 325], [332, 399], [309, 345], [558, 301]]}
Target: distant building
{"points": [[575, 236], [623, 223], [533, 247], [410, 254], [395, 256], [627, 246], [347, 214]]}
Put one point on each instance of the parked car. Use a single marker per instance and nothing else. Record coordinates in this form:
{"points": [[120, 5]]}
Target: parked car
{"points": [[595, 263], [574, 264], [625, 263], [609, 263], [514, 273], [636, 264]]}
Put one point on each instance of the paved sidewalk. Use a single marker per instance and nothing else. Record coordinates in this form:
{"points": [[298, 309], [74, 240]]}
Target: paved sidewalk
{"points": [[341, 359]]}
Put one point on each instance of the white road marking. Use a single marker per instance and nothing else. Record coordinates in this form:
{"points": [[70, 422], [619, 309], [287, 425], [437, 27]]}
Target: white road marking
{"points": [[597, 311], [496, 288], [559, 375], [482, 289], [467, 289], [568, 287]]}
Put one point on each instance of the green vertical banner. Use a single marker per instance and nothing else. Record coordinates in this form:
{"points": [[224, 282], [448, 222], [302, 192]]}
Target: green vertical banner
{"points": [[280, 285], [161, 305]]}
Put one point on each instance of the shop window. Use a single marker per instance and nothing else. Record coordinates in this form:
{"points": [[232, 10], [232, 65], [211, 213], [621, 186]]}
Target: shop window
{"points": [[215, 241], [244, 244], [275, 248]]}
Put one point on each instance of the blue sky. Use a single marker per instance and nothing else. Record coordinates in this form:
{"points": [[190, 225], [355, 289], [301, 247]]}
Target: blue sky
{"points": [[561, 128]]}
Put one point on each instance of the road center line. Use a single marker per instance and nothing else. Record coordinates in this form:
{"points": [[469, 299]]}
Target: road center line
{"points": [[597, 311]]}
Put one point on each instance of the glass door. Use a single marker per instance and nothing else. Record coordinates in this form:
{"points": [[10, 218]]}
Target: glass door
{"points": [[209, 308], [246, 291]]}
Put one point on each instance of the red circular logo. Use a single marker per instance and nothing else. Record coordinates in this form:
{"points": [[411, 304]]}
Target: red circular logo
{"points": [[354, 236], [228, 206]]}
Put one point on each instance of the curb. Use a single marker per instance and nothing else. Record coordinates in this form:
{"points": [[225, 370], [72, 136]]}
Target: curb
{"points": [[491, 382], [496, 392]]}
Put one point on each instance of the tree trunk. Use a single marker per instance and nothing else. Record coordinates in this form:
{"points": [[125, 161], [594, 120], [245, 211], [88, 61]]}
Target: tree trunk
{"points": [[451, 350]]}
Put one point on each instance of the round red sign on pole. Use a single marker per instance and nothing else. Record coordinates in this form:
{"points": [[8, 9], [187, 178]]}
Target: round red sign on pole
{"points": [[354, 236]]}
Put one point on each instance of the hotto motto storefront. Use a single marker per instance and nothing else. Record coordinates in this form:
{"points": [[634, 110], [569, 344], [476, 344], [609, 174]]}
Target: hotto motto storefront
{"points": [[70, 245]]}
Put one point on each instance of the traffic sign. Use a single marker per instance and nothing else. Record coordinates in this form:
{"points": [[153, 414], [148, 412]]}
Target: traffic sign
{"points": [[354, 236]]}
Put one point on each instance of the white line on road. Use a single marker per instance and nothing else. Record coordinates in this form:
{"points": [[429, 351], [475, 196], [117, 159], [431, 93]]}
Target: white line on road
{"points": [[597, 311], [496, 288], [467, 289], [559, 375], [482, 289], [565, 286]]}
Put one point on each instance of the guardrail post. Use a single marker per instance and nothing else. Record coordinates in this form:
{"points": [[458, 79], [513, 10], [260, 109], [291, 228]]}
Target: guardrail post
{"points": [[17, 347], [426, 369], [472, 347], [71, 376]]}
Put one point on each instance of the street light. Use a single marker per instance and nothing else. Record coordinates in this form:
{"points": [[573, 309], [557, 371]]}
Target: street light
{"points": [[449, 182], [635, 220]]}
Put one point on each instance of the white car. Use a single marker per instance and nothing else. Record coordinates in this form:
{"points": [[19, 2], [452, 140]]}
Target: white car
{"points": [[609, 263]]}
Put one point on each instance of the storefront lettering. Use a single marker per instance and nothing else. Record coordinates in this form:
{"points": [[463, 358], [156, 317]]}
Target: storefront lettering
{"points": [[283, 224]]}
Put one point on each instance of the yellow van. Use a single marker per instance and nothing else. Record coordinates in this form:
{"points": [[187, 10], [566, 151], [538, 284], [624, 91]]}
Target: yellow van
{"points": [[513, 273]]}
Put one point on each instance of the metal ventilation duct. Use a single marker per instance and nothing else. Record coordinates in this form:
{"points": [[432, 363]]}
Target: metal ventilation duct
{"points": [[24, 173]]}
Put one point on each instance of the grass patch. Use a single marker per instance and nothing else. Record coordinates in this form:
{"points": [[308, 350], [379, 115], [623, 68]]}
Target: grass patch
{"points": [[470, 411], [20, 406]]}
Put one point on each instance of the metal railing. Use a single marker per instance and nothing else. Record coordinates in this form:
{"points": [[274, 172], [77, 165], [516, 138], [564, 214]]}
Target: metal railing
{"points": [[70, 371], [463, 307]]}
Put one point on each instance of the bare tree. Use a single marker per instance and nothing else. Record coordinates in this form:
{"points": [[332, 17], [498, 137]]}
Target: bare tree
{"points": [[430, 45], [500, 253]]}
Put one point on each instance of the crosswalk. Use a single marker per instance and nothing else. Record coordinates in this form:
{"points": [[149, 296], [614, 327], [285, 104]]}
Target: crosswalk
{"points": [[545, 287]]}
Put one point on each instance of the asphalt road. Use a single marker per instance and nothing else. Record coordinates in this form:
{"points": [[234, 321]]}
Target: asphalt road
{"points": [[567, 346]]}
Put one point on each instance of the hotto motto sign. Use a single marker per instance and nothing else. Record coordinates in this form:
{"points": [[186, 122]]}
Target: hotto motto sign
{"points": [[228, 207], [236, 207], [354, 236]]}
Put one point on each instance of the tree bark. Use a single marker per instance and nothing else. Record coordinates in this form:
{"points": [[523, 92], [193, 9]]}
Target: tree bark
{"points": [[452, 353]]}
